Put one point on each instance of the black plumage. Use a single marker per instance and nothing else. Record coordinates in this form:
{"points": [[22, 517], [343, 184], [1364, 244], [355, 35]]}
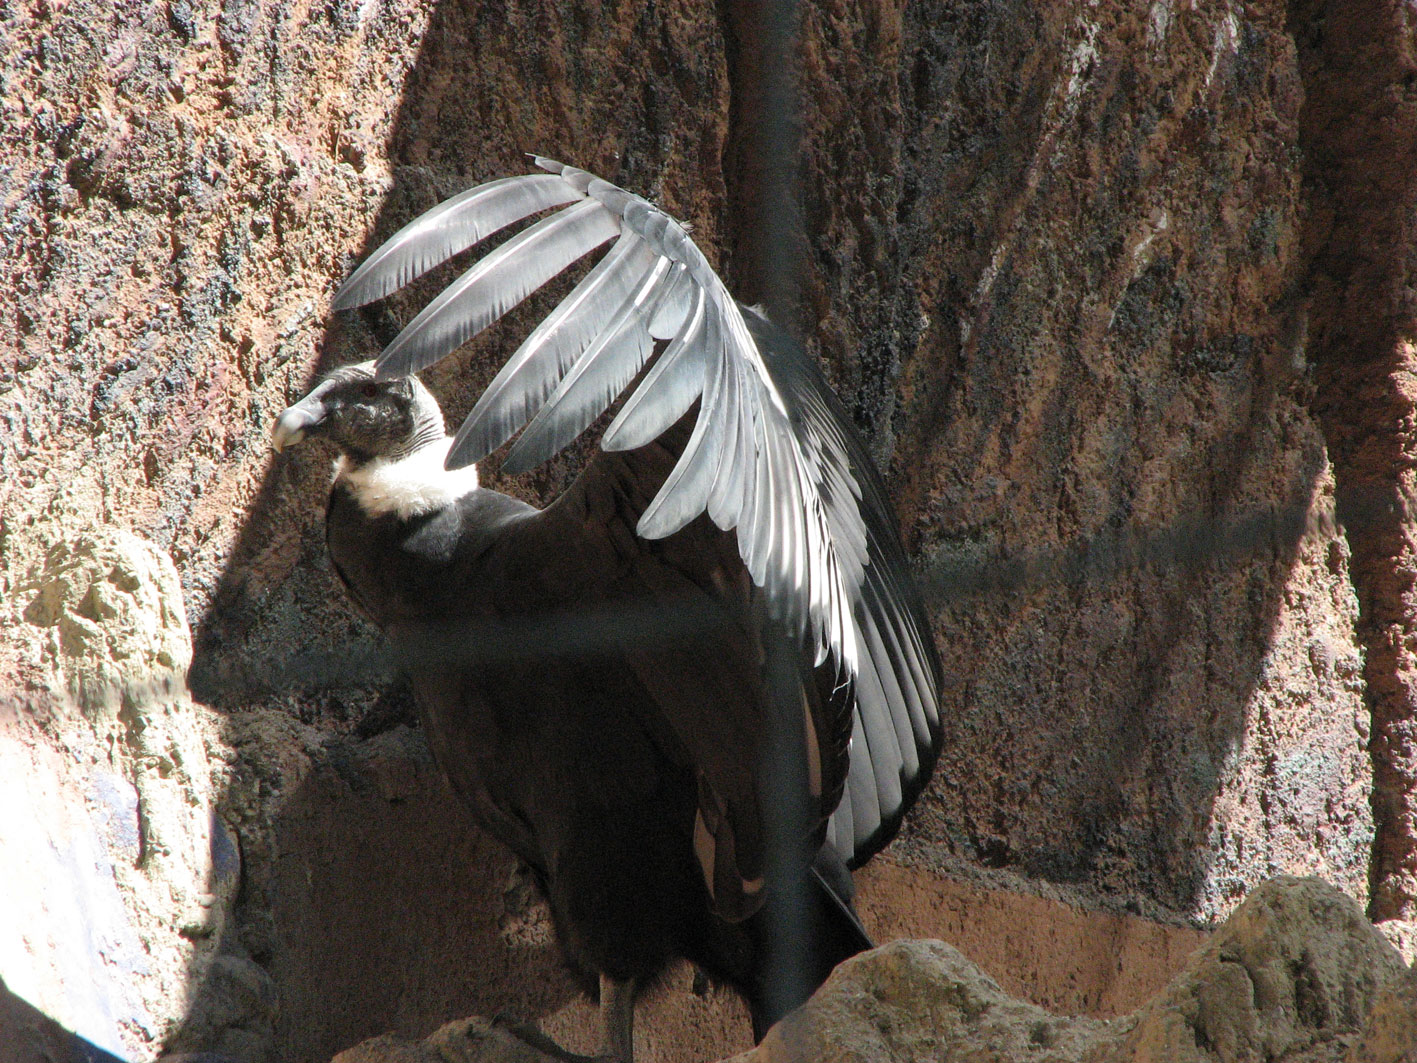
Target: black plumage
{"points": [[697, 686]]}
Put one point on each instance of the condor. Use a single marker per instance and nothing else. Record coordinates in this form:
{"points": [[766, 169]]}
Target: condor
{"points": [[700, 685]]}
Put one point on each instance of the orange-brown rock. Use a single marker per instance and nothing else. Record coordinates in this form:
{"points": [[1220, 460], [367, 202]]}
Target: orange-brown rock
{"points": [[1295, 974]]}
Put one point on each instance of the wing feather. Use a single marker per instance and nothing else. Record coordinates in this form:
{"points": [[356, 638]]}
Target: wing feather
{"points": [[601, 372], [452, 226], [673, 311], [759, 532], [896, 704], [911, 723], [523, 384], [881, 746], [864, 813], [749, 453], [671, 386], [496, 284], [686, 490], [724, 499]]}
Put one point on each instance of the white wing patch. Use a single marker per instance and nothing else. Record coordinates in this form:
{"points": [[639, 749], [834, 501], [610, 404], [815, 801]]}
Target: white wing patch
{"points": [[744, 463]]}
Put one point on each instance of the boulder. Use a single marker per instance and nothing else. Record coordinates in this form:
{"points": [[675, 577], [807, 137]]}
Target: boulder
{"points": [[1295, 974], [117, 866]]}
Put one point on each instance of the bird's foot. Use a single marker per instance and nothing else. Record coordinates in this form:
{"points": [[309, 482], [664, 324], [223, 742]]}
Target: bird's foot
{"points": [[531, 1036]]}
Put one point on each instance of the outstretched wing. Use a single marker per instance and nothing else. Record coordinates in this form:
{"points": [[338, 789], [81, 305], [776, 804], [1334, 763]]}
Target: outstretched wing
{"points": [[896, 734], [771, 456]]}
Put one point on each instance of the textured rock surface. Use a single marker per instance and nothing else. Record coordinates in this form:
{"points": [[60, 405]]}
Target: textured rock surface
{"points": [[1296, 974], [464, 1041], [1064, 958], [1120, 293], [922, 1000], [118, 871], [1108, 458], [1391, 1032], [1358, 125]]}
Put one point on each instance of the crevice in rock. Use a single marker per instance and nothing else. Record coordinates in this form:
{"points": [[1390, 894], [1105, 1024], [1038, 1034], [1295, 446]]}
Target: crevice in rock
{"points": [[1358, 133]]}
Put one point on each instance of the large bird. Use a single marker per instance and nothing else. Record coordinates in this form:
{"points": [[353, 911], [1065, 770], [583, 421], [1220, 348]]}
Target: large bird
{"points": [[700, 685]]}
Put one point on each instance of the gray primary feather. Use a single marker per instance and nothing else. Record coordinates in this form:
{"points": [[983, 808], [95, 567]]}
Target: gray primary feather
{"points": [[530, 375], [496, 284], [668, 390], [452, 226], [600, 373], [771, 456]]}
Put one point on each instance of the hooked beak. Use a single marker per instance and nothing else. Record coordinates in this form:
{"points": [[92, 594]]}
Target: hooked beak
{"points": [[295, 421]]}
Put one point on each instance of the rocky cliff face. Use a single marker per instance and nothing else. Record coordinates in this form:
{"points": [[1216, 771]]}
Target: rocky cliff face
{"points": [[1121, 295]]}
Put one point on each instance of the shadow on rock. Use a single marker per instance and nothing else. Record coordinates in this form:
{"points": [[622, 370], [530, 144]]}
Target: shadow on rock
{"points": [[30, 1035], [370, 903]]}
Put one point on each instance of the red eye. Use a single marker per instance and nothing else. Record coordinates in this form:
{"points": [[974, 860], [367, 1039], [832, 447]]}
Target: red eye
{"points": [[370, 391]]}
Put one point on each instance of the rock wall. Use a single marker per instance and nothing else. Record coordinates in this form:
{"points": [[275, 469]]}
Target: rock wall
{"points": [[1121, 490], [1358, 121], [119, 870], [1120, 294]]}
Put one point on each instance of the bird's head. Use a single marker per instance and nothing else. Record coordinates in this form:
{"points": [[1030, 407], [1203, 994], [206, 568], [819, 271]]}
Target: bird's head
{"points": [[365, 417], [391, 440]]}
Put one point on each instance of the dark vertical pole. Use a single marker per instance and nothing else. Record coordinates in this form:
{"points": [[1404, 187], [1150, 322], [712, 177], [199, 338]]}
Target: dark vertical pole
{"points": [[769, 261], [789, 960], [764, 158]]}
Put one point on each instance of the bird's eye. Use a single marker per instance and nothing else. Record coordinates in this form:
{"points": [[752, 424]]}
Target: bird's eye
{"points": [[370, 391]]}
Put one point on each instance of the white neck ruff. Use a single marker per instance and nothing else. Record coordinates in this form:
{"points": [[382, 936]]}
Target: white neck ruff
{"points": [[408, 487]]}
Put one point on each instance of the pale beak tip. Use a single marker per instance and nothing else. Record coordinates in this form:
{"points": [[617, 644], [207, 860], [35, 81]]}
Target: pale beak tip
{"points": [[289, 429]]}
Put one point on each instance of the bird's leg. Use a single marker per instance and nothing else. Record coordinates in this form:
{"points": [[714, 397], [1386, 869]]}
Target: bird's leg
{"points": [[617, 1018]]}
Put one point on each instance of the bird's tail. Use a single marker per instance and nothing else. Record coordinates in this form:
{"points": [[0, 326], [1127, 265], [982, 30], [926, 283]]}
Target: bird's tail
{"points": [[804, 938]]}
